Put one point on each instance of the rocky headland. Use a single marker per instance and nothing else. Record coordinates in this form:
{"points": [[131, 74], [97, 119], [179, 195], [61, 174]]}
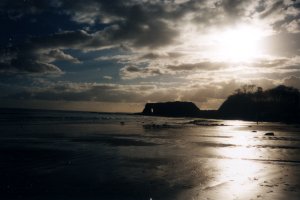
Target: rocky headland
{"points": [[281, 103]]}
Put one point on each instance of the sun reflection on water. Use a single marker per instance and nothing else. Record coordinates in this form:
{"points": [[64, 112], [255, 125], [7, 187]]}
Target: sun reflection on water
{"points": [[237, 169], [235, 178], [237, 165], [243, 147]]}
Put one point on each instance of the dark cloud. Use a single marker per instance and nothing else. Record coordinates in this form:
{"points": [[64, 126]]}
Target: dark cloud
{"points": [[153, 55], [132, 72], [152, 34], [38, 54], [198, 66], [141, 24], [234, 7], [133, 69], [274, 7], [261, 6], [68, 91]]}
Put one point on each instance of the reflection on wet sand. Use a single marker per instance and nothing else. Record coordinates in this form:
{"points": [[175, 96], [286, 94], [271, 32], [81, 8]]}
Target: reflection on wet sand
{"points": [[172, 160], [234, 180], [245, 169]]}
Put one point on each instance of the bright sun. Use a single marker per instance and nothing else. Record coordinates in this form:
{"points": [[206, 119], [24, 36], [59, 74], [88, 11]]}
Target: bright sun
{"points": [[239, 44]]}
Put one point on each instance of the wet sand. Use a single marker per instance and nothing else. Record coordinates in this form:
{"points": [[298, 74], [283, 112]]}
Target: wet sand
{"points": [[173, 159]]}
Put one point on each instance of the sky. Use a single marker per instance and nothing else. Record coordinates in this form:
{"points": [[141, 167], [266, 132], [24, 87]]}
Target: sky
{"points": [[117, 55]]}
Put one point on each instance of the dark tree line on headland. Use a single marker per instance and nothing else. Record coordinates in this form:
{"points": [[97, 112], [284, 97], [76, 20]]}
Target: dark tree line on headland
{"points": [[249, 102], [281, 103]]}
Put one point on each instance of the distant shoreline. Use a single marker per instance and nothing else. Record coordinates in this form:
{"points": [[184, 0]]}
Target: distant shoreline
{"points": [[205, 114], [59, 110]]}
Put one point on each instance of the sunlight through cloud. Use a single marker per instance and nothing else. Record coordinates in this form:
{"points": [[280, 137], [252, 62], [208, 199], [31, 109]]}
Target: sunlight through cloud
{"points": [[239, 44]]}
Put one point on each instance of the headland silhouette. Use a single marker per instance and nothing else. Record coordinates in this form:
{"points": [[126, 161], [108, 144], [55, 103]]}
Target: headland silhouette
{"points": [[249, 102]]}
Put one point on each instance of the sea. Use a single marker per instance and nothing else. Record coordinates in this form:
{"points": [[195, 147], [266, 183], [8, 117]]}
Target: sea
{"points": [[48, 154]]}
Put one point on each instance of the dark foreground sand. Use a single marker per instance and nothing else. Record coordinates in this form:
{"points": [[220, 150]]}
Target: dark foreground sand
{"points": [[177, 160]]}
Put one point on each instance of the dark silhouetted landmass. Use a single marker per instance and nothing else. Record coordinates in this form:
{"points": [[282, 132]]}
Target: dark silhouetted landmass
{"points": [[177, 109], [172, 109], [281, 103]]}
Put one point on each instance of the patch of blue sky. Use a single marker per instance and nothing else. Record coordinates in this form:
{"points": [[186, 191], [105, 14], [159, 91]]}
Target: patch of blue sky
{"points": [[89, 71], [18, 30]]}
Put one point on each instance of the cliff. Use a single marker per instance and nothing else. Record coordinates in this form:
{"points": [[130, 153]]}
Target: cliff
{"points": [[172, 109]]}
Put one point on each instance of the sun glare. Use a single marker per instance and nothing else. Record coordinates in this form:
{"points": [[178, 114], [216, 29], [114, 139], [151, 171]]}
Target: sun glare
{"points": [[239, 44]]}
